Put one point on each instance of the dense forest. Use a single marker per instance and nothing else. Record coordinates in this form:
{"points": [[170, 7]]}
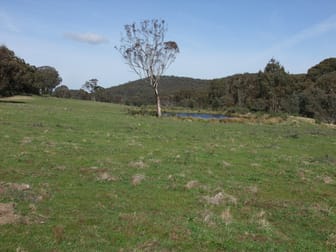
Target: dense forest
{"points": [[271, 90], [274, 90]]}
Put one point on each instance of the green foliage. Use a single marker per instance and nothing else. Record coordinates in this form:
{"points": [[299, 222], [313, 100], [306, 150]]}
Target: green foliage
{"points": [[173, 92], [274, 91], [80, 94], [326, 66], [18, 77], [92, 87], [46, 79], [104, 180], [62, 92]]}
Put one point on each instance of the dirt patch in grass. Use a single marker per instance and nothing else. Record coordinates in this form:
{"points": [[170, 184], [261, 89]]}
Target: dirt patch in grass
{"points": [[208, 218], [7, 214], [220, 198], [302, 175], [26, 140], [321, 208], [225, 163], [331, 241], [192, 184], [137, 179], [101, 174], [252, 189], [260, 218], [254, 237], [148, 246], [226, 216], [327, 180], [21, 193], [105, 176], [18, 187], [137, 164], [8, 189]]}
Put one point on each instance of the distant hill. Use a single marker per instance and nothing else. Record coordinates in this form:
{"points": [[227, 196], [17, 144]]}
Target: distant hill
{"points": [[140, 92]]}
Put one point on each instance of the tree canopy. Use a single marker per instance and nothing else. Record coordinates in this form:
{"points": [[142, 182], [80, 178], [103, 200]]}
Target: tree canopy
{"points": [[19, 77], [47, 78], [16, 76]]}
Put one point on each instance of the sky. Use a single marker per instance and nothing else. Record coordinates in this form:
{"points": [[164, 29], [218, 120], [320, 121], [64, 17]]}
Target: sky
{"points": [[216, 38]]}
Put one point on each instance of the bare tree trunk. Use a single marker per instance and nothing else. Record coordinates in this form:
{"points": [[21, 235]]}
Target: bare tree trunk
{"points": [[158, 103]]}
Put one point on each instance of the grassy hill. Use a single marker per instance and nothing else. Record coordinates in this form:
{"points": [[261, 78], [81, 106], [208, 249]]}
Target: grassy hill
{"points": [[86, 176]]}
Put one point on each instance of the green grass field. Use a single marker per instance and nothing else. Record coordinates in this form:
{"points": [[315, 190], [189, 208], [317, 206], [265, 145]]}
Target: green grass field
{"points": [[103, 180]]}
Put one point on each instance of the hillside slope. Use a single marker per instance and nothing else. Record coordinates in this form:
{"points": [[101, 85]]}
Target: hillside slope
{"points": [[139, 92], [87, 176]]}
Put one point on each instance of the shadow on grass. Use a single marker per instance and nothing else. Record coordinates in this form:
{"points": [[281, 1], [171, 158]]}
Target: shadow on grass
{"points": [[10, 101]]}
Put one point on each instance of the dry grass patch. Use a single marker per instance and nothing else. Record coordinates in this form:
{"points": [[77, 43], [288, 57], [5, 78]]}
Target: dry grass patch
{"points": [[226, 164], [208, 218], [260, 218], [255, 165], [155, 161], [19, 187], [253, 189], [192, 184], [7, 214], [105, 176], [302, 175], [17, 98], [60, 168], [327, 180], [101, 174], [13, 186], [253, 119], [321, 208], [226, 216], [137, 179], [137, 164], [21, 192], [220, 198], [26, 140], [148, 246], [331, 241]]}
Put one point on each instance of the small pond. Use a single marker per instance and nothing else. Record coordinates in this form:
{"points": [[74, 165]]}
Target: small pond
{"points": [[205, 116]]}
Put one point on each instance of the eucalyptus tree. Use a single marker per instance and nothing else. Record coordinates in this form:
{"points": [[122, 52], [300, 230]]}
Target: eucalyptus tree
{"points": [[16, 76], [46, 79], [92, 87], [145, 50]]}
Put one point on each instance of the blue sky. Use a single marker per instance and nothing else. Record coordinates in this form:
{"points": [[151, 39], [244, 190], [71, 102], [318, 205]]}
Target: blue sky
{"points": [[217, 38]]}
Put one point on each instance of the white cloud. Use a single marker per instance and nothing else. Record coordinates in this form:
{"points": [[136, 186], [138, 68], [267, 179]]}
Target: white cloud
{"points": [[90, 38]]}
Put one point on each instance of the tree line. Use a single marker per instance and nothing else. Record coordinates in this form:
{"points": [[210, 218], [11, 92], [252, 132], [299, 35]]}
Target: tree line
{"points": [[271, 90], [19, 77]]}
